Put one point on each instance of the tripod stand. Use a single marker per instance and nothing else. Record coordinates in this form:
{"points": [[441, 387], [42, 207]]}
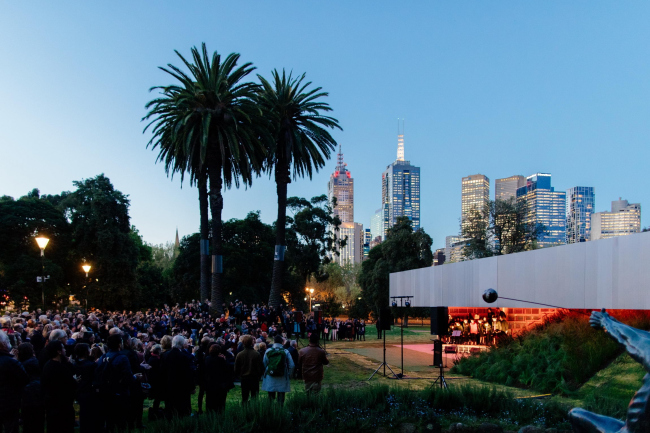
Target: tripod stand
{"points": [[384, 364], [440, 379]]}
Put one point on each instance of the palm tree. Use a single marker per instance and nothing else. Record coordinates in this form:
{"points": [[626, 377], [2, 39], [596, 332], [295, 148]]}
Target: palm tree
{"points": [[299, 145], [211, 124], [172, 152]]}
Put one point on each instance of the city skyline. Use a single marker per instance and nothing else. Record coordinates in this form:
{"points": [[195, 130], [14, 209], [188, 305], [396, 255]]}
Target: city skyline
{"points": [[484, 89]]}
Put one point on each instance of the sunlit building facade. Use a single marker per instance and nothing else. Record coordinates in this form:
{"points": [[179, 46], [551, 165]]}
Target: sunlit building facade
{"points": [[580, 204], [545, 207], [352, 252], [475, 194], [506, 188], [454, 246], [624, 219], [400, 191]]}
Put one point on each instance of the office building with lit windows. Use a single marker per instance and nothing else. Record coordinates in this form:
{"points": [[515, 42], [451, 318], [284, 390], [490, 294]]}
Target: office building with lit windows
{"points": [[506, 188], [454, 246], [580, 204], [475, 194], [367, 238], [624, 219], [545, 207], [400, 191], [341, 187]]}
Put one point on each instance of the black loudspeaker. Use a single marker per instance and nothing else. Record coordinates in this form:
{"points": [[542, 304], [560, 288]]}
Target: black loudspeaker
{"points": [[437, 352], [318, 317], [385, 319], [439, 321], [297, 316]]}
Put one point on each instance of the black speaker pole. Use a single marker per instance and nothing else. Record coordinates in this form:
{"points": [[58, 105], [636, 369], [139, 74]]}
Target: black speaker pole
{"points": [[384, 364]]}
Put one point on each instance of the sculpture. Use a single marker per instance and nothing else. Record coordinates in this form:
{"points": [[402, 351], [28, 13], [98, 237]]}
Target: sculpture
{"points": [[637, 344]]}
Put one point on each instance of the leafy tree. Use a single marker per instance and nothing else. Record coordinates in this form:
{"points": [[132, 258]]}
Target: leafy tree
{"points": [[311, 236], [163, 255], [102, 235], [213, 121], [20, 221], [299, 145], [186, 276], [403, 249], [248, 244], [499, 228]]}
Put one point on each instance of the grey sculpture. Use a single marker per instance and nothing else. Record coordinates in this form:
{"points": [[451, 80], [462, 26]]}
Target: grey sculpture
{"points": [[637, 344]]}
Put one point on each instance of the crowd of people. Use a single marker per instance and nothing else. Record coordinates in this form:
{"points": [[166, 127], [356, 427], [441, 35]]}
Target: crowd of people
{"points": [[474, 329], [109, 362]]}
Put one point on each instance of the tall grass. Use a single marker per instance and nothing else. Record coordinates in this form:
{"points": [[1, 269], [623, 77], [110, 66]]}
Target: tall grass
{"points": [[366, 409], [557, 356]]}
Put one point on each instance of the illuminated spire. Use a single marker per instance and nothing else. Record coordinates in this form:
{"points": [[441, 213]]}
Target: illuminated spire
{"points": [[400, 142]]}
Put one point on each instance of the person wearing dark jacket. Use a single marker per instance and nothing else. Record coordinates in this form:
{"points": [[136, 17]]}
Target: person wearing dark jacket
{"points": [[178, 377], [218, 379], [87, 398], [59, 389], [32, 409], [249, 366], [312, 359], [154, 375], [12, 381], [115, 379]]}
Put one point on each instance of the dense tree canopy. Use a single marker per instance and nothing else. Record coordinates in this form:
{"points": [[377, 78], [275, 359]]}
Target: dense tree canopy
{"points": [[402, 250]]}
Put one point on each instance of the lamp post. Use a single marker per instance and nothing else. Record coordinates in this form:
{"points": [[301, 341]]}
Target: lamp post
{"points": [[86, 269], [311, 293], [42, 243]]}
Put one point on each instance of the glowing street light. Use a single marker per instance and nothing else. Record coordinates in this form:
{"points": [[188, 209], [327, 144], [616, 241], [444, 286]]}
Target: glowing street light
{"points": [[42, 243], [86, 267], [311, 294]]}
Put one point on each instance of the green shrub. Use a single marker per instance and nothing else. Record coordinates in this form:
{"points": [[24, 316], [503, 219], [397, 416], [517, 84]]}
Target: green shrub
{"points": [[366, 409], [557, 356]]}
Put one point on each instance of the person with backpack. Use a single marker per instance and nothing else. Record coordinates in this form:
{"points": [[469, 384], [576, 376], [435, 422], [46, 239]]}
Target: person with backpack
{"points": [[278, 367], [112, 382]]}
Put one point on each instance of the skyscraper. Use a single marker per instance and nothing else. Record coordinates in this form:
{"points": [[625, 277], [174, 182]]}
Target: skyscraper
{"points": [[580, 203], [377, 224], [545, 207], [341, 187], [367, 238], [400, 191], [475, 194], [506, 188], [352, 252], [624, 219]]}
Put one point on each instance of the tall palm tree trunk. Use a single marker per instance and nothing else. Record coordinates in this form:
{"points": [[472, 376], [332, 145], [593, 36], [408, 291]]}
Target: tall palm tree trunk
{"points": [[205, 230], [216, 207], [282, 179]]}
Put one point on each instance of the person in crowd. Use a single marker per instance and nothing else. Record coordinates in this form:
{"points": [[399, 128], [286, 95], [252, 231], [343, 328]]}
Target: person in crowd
{"points": [[13, 379], [218, 379], [311, 361], [293, 351], [199, 357], [32, 408], [249, 368], [154, 375], [59, 388], [113, 380], [278, 366], [86, 397], [178, 377]]}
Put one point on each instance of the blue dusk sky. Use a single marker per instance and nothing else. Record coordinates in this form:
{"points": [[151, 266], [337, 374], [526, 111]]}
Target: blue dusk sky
{"points": [[497, 88]]}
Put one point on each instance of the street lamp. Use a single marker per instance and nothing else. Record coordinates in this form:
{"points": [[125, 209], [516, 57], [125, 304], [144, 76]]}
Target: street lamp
{"points": [[42, 243], [86, 269], [311, 293]]}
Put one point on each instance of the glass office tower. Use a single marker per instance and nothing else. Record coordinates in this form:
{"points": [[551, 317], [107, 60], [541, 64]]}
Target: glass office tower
{"points": [[400, 191], [580, 204], [545, 207]]}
